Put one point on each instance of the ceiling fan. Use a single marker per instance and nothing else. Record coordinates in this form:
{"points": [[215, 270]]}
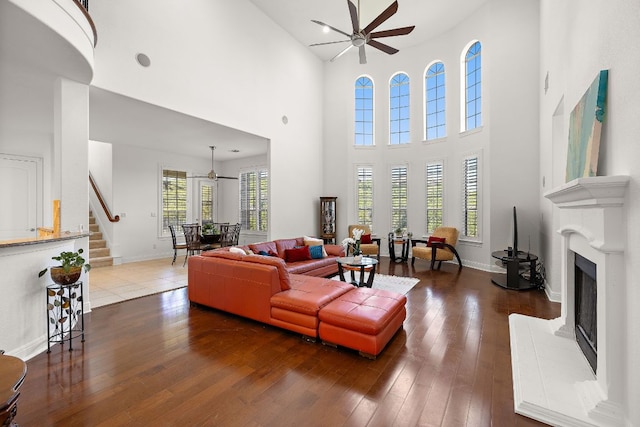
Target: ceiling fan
{"points": [[362, 36], [212, 174]]}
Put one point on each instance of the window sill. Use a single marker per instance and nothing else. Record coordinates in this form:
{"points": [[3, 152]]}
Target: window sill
{"points": [[434, 141], [470, 132], [470, 241]]}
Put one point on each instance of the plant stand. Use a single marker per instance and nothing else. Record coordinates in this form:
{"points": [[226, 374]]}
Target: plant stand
{"points": [[65, 314]]}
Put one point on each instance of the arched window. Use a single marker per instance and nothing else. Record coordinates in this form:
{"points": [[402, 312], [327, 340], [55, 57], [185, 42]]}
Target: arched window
{"points": [[435, 120], [364, 111], [473, 87], [399, 109]]}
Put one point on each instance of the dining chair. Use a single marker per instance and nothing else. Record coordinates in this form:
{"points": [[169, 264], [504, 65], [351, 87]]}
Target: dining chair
{"points": [[192, 240], [176, 245]]}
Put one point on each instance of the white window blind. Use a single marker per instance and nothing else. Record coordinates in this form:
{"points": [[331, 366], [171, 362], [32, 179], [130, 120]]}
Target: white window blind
{"points": [[174, 199], [254, 200], [399, 197], [470, 194], [435, 195], [206, 203], [365, 195]]}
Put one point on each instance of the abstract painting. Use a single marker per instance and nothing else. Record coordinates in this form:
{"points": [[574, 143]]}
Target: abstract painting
{"points": [[585, 127]]}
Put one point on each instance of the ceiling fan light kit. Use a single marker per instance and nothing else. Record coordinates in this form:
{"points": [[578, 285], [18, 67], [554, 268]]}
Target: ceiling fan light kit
{"points": [[361, 37], [212, 174]]}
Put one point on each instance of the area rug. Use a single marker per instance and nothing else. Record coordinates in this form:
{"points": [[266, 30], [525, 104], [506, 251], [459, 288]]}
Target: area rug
{"points": [[398, 284]]}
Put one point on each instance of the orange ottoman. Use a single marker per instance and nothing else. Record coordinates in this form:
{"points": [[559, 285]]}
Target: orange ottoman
{"points": [[363, 319]]}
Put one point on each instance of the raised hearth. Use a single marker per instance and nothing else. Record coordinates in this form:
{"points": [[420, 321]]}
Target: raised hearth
{"points": [[552, 379]]}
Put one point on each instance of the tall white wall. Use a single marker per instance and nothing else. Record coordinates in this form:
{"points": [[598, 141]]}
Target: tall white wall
{"points": [[228, 63], [578, 39], [507, 142]]}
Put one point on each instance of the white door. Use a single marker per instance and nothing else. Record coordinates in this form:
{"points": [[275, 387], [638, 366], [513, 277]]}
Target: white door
{"points": [[20, 191]]}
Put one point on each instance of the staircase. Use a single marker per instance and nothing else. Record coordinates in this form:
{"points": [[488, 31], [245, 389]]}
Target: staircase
{"points": [[99, 253]]}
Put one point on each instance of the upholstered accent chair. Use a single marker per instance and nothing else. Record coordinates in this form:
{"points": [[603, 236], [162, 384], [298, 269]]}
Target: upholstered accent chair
{"points": [[368, 249], [440, 246]]}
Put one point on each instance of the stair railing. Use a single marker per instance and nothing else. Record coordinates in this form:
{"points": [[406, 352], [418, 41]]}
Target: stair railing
{"points": [[84, 8], [101, 200]]}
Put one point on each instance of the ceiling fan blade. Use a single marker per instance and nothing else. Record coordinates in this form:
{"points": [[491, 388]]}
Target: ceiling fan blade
{"points": [[354, 16], [321, 44], [227, 177], [329, 26], [363, 56], [383, 47], [394, 32], [341, 53], [386, 14]]}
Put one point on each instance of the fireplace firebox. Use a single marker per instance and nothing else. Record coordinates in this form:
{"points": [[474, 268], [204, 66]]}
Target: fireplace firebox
{"points": [[586, 294]]}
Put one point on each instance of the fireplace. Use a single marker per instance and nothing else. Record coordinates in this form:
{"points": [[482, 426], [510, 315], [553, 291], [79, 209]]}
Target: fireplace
{"points": [[553, 380], [586, 315]]}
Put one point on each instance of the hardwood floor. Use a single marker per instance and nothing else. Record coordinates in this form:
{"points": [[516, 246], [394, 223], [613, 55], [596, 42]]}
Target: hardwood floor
{"points": [[156, 361]]}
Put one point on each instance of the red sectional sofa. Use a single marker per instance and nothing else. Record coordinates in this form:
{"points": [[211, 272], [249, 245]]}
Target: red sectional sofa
{"points": [[265, 288]]}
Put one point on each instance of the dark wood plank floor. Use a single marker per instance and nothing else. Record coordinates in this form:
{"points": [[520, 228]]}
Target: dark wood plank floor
{"points": [[156, 361]]}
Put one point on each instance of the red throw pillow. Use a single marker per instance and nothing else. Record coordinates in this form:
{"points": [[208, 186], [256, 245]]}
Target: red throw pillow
{"points": [[297, 254], [365, 239], [434, 239]]}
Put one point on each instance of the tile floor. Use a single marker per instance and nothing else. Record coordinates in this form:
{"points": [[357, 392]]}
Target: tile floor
{"points": [[122, 282]]}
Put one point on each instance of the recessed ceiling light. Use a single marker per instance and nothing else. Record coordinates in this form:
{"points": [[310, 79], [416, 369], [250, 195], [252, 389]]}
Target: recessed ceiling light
{"points": [[326, 29], [143, 59]]}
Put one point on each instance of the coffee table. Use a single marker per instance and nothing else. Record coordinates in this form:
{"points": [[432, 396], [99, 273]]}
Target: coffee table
{"points": [[350, 263]]}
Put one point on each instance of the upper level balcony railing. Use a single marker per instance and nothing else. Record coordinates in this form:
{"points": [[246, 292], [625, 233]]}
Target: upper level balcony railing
{"points": [[84, 7]]}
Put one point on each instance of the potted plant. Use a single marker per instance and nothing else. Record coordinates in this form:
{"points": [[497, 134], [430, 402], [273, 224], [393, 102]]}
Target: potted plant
{"points": [[399, 231], [70, 268], [209, 228]]}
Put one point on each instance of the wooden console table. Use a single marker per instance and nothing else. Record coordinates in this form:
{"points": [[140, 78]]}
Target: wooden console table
{"points": [[12, 373]]}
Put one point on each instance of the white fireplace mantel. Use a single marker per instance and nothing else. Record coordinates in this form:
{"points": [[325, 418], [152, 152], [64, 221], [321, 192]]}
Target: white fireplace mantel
{"points": [[552, 379]]}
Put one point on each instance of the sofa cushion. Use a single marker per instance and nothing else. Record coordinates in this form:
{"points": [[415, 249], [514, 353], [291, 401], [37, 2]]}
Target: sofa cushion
{"points": [[365, 239], [284, 244], [309, 294], [334, 250], [237, 250], [223, 253], [302, 267], [297, 254], [285, 282], [316, 252], [312, 241], [268, 247]]}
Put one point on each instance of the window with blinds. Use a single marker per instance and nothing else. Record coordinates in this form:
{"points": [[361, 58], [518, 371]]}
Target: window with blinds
{"points": [[435, 120], [434, 195], [254, 200], [174, 199], [399, 191], [364, 111], [470, 194], [399, 109], [473, 87], [364, 195], [206, 203]]}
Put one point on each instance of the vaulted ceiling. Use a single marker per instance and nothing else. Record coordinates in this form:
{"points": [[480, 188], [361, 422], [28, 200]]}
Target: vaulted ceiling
{"points": [[429, 17]]}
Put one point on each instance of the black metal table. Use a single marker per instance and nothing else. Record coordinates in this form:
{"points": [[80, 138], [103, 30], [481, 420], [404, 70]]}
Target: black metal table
{"points": [[404, 253], [65, 314], [365, 264]]}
